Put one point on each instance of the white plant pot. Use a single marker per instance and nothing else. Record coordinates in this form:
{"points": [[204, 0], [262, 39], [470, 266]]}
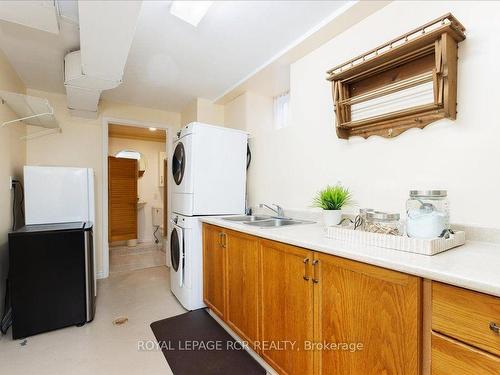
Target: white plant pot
{"points": [[332, 217]]}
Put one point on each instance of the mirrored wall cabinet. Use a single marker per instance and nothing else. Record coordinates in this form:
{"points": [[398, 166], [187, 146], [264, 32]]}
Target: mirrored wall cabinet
{"points": [[405, 83]]}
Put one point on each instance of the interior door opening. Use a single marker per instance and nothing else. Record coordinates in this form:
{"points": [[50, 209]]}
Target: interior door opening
{"points": [[137, 197]]}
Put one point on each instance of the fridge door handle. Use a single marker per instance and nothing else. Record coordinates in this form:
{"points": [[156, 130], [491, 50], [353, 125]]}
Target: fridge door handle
{"points": [[87, 299], [89, 276]]}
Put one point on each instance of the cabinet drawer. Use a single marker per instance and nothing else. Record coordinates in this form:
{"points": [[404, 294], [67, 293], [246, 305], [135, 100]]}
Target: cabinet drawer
{"points": [[449, 357], [466, 316]]}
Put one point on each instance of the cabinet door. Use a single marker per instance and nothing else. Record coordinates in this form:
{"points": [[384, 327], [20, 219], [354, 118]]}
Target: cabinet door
{"points": [[466, 316], [450, 357], [242, 257], [213, 269], [360, 304], [286, 304]]}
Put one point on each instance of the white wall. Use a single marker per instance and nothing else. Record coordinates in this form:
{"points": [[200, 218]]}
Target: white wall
{"points": [[148, 187], [291, 164], [203, 110], [189, 113], [80, 143], [235, 112], [12, 159], [210, 113]]}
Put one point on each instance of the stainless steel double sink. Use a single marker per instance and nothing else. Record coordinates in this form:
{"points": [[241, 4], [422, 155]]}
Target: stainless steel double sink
{"points": [[264, 221]]}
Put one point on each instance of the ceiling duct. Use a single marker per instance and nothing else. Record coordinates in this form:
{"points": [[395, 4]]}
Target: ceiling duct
{"points": [[106, 32], [82, 91], [40, 15]]}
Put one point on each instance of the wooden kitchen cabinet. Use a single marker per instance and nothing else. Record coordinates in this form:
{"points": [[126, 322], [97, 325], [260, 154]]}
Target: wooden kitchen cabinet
{"points": [[214, 284], [286, 307], [466, 316], [289, 301], [360, 304], [464, 338], [451, 357], [242, 284]]}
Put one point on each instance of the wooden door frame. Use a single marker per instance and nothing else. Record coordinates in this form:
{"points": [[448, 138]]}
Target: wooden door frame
{"points": [[171, 130]]}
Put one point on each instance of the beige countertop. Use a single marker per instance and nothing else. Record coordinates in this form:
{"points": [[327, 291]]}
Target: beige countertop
{"points": [[475, 265]]}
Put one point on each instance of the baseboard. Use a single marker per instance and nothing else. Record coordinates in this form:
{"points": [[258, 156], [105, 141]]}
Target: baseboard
{"points": [[258, 358]]}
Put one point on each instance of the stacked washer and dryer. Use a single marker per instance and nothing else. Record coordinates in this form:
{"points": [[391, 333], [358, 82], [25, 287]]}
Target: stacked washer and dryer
{"points": [[208, 178]]}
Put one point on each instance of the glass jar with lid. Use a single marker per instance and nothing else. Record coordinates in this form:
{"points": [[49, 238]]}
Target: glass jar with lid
{"points": [[359, 222], [427, 213], [383, 222]]}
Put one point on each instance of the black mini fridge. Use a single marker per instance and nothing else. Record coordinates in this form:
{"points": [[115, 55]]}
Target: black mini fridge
{"points": [[51, 277]]}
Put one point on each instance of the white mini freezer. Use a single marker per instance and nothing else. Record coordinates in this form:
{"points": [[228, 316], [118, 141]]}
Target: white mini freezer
{"points": [[58, 195]]}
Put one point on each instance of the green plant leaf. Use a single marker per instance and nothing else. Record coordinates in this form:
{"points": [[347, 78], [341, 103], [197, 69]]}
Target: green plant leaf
{"points": [[333, 198]]}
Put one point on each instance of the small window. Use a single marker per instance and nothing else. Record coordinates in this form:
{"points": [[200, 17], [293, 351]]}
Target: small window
{"points": [[129, 154], [281, 108]]}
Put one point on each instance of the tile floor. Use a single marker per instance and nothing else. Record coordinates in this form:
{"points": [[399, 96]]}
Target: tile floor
{"points": [[125, 258], [100, 347]]}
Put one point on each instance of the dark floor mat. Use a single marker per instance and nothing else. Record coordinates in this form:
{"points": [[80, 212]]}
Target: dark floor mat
{"points": [[194, 343]]}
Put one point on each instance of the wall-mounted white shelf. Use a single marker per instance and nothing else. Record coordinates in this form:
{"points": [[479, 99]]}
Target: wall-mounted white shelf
{"points": [[31, 110]]}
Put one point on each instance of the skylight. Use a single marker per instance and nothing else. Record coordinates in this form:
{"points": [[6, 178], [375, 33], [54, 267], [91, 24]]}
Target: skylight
{"points": [[190, 11]]}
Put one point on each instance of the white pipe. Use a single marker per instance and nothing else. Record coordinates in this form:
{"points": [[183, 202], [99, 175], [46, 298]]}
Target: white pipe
{"points": [[26, 118]]}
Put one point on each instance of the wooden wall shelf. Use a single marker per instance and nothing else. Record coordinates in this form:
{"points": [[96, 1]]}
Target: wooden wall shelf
{"points": [[407, 82]]}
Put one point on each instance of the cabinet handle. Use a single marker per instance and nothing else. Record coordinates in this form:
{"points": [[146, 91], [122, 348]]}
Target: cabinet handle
{"points": [[306, 276], [224, 240], [220, 239], [494, 327], [315, 279]]}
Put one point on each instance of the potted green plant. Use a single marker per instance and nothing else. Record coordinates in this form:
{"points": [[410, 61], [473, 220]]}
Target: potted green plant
{"points": [[331, 200]]}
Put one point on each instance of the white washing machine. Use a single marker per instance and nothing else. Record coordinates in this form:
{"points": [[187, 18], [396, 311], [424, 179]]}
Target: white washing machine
{"points": [[186, 271], [209, 170]]}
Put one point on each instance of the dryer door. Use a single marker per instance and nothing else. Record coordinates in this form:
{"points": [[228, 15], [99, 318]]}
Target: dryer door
{"points": [[181, 168], [179, 163]]}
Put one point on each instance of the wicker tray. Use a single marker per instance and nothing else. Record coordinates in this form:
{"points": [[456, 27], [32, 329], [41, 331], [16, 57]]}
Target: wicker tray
{"points": [[403, 243]]}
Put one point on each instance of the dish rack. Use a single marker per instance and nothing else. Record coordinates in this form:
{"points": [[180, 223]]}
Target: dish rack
{"points": [[402, 243]]}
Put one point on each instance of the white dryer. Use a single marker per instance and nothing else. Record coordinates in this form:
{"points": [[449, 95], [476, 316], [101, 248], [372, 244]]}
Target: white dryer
{"points": [[208, 171], [186, 271]]}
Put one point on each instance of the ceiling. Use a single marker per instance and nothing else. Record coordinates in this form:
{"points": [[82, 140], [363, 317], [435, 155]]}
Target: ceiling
{"points": [[171, 62], [137, 133], [36, 55]]}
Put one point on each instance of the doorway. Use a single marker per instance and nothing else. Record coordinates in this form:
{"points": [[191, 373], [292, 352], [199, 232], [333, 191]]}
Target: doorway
{"points": [[136, 205]]}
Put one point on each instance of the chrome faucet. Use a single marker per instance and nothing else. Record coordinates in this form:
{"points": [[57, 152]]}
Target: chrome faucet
{"points": [[279, 210]]}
